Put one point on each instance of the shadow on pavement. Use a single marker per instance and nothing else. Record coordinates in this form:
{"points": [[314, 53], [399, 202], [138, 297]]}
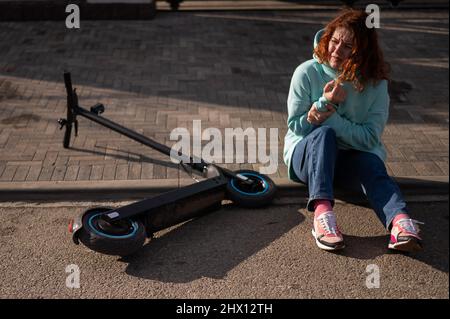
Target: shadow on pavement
{"points": [[212, 245], [434, 233], [126, 155], [235, 60]]}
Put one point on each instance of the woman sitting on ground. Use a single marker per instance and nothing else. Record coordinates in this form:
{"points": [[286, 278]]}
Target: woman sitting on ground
{"points": [[337, 109]]}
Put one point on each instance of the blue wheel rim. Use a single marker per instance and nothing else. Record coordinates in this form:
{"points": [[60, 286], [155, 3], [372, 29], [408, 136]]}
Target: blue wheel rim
{"points": [[265, 190], [134, 226]]}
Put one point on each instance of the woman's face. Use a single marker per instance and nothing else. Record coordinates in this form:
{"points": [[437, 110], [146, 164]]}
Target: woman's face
{"points": [[340, 47]]}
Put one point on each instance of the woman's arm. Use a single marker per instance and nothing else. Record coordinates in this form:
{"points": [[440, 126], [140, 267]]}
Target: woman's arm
{"points": [[364, 136], [299, 102]]}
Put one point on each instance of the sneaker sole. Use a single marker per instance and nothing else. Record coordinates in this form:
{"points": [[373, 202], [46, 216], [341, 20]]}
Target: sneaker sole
{"points": [[407, 246], [324, 247]]}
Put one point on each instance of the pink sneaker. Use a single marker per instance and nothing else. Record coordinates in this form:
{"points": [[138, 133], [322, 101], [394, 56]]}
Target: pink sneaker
{"points": [[326, 233], [405, 235]]}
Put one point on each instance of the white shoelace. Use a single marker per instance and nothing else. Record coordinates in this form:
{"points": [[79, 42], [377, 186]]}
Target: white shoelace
{"points": [[328, 223], [410, 225]]}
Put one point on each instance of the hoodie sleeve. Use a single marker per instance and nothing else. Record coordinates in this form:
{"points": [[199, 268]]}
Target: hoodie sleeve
{"points": [[366, 135], [299, 102]]}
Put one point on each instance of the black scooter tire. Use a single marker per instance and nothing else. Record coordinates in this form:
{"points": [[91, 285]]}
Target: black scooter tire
{"points": [[247, 199], [97, 240]]}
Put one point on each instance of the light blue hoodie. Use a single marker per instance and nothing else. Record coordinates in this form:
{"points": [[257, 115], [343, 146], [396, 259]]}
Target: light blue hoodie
{"points": [[358, 122]]}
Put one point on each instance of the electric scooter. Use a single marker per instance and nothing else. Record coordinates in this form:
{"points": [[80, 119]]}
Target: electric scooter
{"points": [[122, 231]]}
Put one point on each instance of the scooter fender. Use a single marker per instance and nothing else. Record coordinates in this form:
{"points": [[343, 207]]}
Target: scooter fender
{"points": [[75, 226]]}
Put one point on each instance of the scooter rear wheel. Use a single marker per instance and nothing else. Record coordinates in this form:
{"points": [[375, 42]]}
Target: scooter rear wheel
{"points": [[121, 239], [258, 195]]}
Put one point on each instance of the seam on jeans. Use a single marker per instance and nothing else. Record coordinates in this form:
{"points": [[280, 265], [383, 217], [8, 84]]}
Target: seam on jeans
{"points": [[313, 160], [303, 156]]}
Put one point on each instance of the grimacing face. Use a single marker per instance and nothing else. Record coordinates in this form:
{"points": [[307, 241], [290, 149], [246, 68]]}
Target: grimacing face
{"points": [[340, 47]]}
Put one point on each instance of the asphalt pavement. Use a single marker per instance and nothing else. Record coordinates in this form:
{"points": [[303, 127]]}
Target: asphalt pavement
{"points": [[230, 253]]}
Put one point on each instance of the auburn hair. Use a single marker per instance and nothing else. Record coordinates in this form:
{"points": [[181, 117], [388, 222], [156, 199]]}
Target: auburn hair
{"points": [[366, 62]]}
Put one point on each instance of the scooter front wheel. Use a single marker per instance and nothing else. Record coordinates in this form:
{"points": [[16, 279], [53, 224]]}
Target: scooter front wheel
{"points": [[258, 194], [122, 238]]}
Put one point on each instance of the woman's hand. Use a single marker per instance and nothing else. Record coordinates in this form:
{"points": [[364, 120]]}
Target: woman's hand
{"points": [[334, 92], [316, 118]]}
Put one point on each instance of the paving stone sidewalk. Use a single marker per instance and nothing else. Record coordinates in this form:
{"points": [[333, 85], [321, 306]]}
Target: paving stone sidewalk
{"points": [[227, 69]]}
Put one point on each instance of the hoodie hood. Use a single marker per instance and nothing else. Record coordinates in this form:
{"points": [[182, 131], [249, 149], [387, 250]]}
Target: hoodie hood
{"points": [[329, 71], [318, 36]]}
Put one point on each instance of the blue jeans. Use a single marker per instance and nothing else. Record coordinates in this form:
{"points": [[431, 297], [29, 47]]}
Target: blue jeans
{"points": [[320, 165]]}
